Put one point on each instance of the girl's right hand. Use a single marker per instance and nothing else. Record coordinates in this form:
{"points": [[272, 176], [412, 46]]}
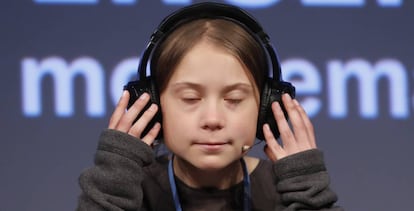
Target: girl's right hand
{"points": [[122, 119]]}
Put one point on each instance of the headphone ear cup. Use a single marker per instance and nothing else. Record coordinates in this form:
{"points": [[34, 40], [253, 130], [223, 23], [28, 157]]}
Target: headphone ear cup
{"points": [[272, 91], [136, 89]]}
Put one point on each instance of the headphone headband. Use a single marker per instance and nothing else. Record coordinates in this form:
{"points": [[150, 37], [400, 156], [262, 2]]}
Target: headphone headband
{"points": [[210, 10]]}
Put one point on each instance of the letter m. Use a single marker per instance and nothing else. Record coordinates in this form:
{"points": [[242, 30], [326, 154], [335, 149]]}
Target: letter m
{"points": [[368, 77], [63, 75]]}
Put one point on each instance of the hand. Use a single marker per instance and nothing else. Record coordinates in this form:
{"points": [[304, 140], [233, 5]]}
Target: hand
{"points": [[122, 119], [299, 138]]}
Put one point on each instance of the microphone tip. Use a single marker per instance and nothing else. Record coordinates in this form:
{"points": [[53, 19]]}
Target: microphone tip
{"points": [[245, 148]]}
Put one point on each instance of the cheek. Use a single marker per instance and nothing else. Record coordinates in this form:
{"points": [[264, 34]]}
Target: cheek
{"points": [[245, 124], [168, 121], [174, 122]]}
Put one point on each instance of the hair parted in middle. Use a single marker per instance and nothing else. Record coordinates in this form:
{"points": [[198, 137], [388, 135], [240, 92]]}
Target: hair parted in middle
{"points": [[222, 33]]}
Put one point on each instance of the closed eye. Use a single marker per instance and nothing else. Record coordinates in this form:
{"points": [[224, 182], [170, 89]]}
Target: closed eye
{"points": [[190, 100], [233, 101]]}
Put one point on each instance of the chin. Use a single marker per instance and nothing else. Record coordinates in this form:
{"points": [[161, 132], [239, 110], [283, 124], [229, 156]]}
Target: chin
{"points": [[213, 163]]}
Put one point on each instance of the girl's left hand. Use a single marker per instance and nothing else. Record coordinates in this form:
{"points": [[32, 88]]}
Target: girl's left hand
{"points": [[298, 138]]}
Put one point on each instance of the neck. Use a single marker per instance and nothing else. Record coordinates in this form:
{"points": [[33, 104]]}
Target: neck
{"points": [[198, 178]]}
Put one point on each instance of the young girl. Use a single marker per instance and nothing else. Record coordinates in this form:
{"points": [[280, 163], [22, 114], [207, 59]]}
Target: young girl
{"points": [[209, 73]]}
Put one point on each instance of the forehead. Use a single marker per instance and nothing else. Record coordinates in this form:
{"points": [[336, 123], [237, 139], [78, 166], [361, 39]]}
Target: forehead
{"points": [[206, 62]]}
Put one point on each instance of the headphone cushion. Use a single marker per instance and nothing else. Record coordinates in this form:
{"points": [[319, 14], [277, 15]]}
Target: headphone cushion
{"points": [[136, 89], [272, 91]]}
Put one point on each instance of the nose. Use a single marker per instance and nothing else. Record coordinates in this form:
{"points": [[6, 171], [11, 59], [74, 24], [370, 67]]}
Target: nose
{"points": [[212, 116]]}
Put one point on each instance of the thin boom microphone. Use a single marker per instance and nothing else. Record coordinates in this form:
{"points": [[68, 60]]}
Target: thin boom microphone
{"points": [[245, 148]]}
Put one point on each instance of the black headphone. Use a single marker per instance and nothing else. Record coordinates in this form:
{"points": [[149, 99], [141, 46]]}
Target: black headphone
{"points": [[273, 87]]}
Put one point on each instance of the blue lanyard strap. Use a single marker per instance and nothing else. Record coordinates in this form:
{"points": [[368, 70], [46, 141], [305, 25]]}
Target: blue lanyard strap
{"points": [[176, 198], [246, 186]]}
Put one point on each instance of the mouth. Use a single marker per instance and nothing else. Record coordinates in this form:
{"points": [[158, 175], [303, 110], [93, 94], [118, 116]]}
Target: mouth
{"points": [[211, 146]]}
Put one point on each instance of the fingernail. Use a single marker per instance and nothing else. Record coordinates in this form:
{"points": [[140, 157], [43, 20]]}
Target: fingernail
{"points": [[143, 96], [295, 102], [157, 125], [153, 107], [277, 105], [287, 95], [124, 93], [266, 127]]}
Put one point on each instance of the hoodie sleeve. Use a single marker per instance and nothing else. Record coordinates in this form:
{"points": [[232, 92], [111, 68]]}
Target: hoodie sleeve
{"points": [[114, 182], [303, 182]]}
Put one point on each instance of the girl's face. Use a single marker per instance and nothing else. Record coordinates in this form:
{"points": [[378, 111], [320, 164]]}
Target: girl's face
{"points": [[209, 108]]}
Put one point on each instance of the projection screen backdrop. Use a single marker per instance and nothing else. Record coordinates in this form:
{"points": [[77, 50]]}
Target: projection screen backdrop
{"points": [[64, 63]]}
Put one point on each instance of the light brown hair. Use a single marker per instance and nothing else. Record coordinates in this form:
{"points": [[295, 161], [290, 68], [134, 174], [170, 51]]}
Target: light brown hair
{"points": [[223, 33]]}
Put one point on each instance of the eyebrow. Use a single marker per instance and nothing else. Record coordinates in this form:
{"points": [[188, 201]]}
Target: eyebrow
{"points": [[238, 85], [180, 85]]}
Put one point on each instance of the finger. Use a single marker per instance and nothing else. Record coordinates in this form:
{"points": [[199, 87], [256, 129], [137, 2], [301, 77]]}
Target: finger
{"points": [[269, 153], [308, 124], [119, 110], [273, 150], [286, 134], [152, 134], [143, 121], [295, 118], [126, 121]]}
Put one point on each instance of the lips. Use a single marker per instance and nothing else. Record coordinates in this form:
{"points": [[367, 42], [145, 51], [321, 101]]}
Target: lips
{"points": [[211, 142], [211, 146]]}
